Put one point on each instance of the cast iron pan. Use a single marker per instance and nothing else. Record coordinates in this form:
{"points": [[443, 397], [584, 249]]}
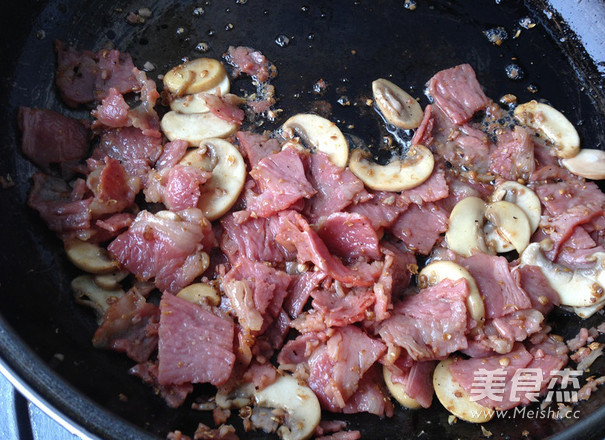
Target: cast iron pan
{"points": [[45, 337]]}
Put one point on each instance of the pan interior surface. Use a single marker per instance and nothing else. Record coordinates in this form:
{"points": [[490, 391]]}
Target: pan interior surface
{"points": [[348, 44]]}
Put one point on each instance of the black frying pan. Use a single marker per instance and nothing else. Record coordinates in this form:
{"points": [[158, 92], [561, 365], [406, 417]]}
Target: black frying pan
{"points": [[45, 337]]}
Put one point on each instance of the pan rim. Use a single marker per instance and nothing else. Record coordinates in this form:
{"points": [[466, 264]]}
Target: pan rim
{"points": [[56, 397]]}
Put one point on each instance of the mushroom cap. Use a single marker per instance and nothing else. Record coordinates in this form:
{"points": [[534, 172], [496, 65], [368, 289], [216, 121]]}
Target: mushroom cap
{"points": [[455, 399], [88, 293], [318, 134], [90, 257], [576, 288], [110, 281], [300, 403], [438, 271], [195, 103], [195, 127], [194, 76], [397, 106], [552, 124], [511, 226], [588, 163], [397, 390], [228, 169], [588, 311], [465, 231], [522, 196], [397, 175], [200, 293]]}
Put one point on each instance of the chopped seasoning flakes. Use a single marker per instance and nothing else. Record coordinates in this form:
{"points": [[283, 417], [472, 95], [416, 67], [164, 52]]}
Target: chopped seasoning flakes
{"points": [[485, 432], [496, 35], [527, 23]]}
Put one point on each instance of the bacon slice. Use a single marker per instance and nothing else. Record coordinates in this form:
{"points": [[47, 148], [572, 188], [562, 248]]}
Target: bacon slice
{"points": [[195, 345]]}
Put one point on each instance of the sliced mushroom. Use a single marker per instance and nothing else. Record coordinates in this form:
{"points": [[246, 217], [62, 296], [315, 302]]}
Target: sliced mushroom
{"points": [[236, 398], [588, 163], [228, 169], [397, 106], [455, 399], [318, 134], [198, 75], [300, 404], [523, 197], [552, 124], [587, 312], [510, 227], [495, 241], [195, 127], [397, 390], [89, 294], [195, 103], [294, 143], [576, 288], [200, 293], [90, 257], [465, 232], [438, 271], [397, 175], [110, 281]]}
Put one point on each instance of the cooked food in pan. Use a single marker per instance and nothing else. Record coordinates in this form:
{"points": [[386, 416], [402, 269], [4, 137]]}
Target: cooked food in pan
{"points": [[295, 272]]}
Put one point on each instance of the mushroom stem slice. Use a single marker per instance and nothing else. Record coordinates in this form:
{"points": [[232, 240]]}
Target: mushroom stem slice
{"points": [[397, 175], [511, 225], [195, 103], [465, 232], [576, 288], [228, 169], [194, 76], [319, 134], [195, 127], [523, 197], [303, 412], [455, 399], [438, 271], [89, 294], [397, 390], [397, 106], [552, 124], [90, 257], [589, 163]]}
